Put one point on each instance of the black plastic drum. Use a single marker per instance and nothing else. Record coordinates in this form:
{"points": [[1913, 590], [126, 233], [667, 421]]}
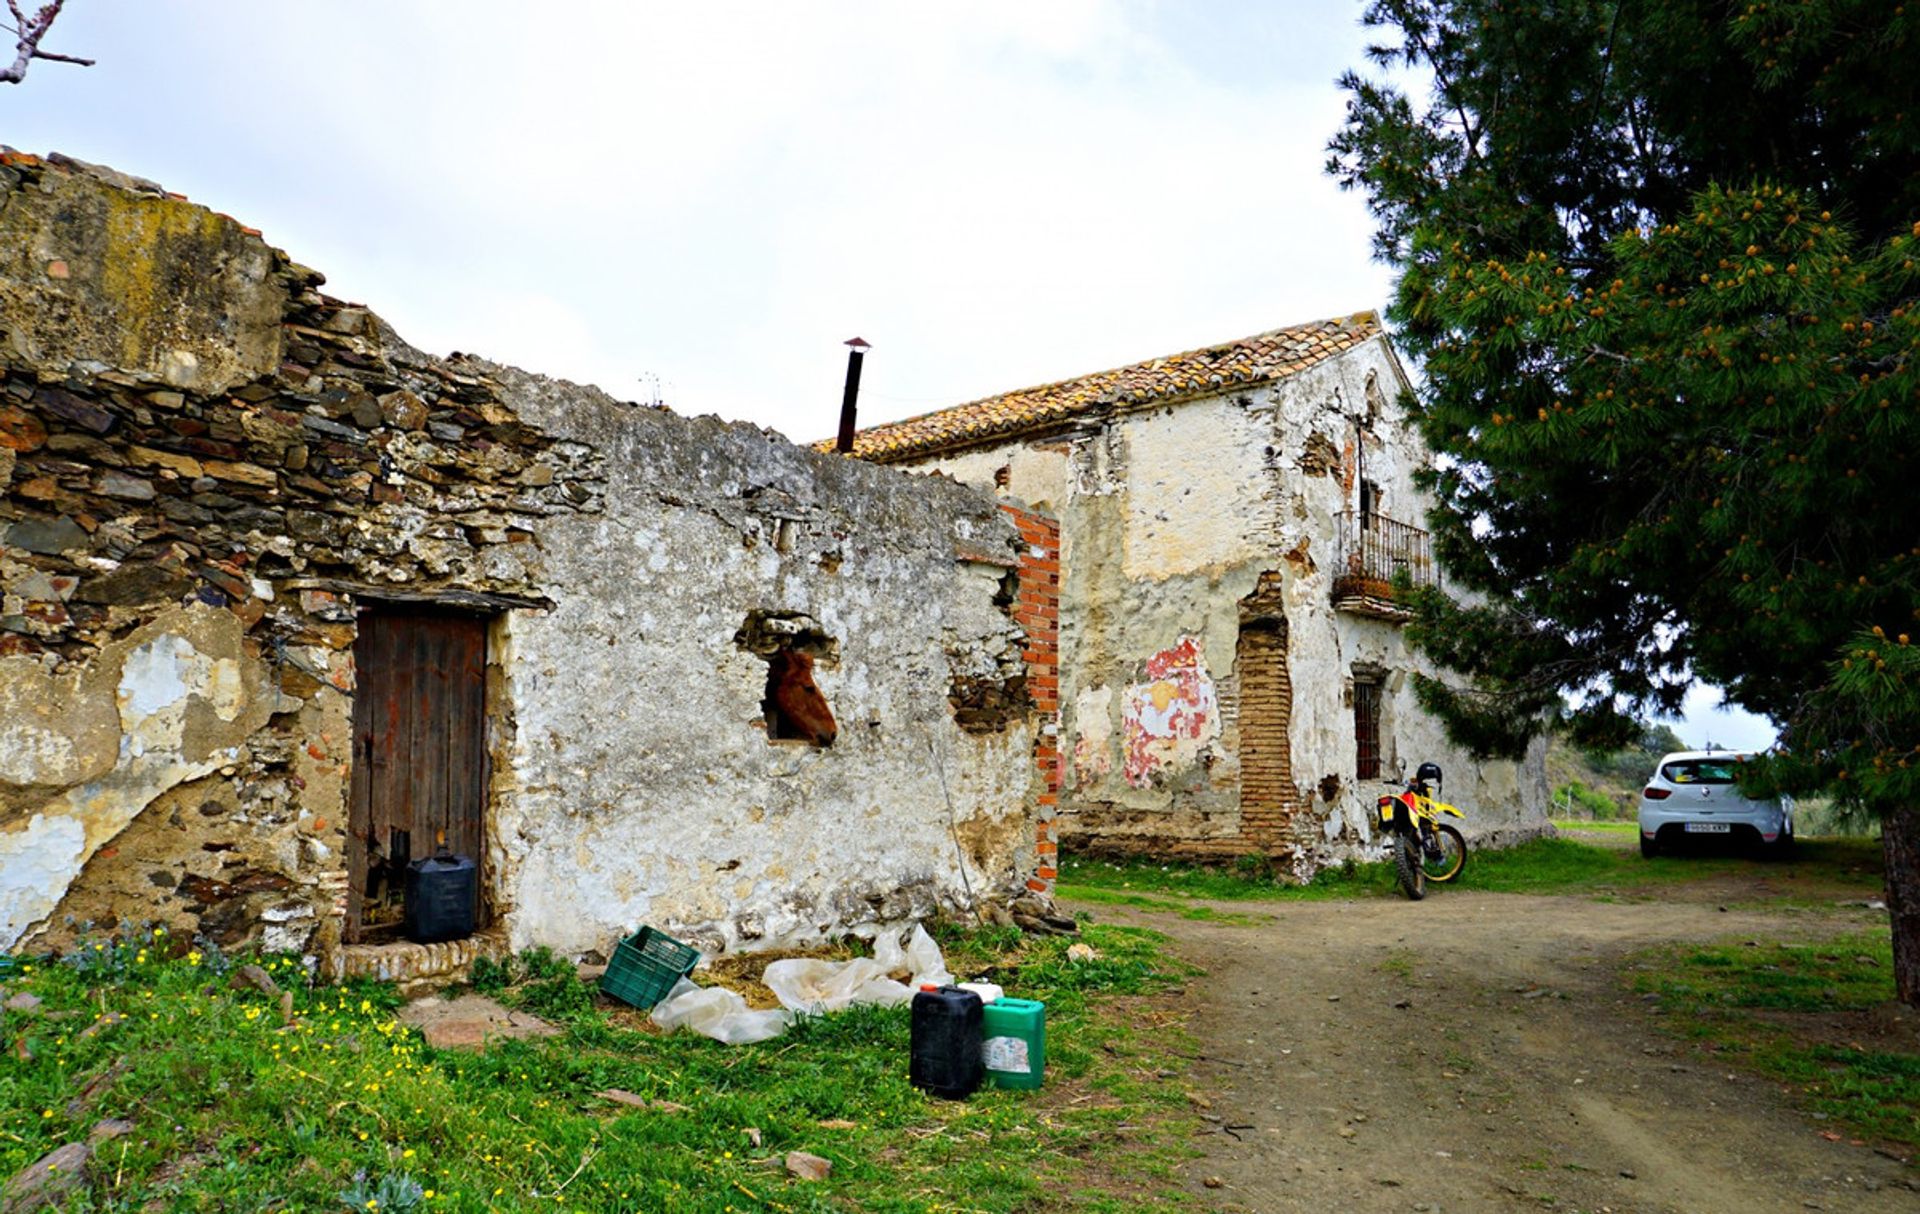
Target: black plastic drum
{"points": [[440, 898], [945, 1049]]}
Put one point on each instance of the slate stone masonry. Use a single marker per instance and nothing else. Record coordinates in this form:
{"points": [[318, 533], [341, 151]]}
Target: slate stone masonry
{"points": [[208, 466]]}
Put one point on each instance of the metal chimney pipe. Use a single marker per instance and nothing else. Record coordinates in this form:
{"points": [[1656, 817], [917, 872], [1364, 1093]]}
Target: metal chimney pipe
{"points": [[856, 351]]}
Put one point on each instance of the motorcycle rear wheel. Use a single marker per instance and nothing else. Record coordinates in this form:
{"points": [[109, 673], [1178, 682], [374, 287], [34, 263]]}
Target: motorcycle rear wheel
{"points": [[1407, 866], [1453, 854]]}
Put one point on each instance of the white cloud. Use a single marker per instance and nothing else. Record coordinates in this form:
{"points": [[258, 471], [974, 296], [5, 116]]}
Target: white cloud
{"points": [[718, 194], [1705, 719]]}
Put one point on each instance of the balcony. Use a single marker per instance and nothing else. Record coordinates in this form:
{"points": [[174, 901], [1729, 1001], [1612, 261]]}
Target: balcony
{"points": [[1375, 551]]}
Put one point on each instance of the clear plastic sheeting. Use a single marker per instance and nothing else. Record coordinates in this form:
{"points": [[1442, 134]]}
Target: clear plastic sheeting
{"points": [[814, 987], [716, 1012], [924, 960], [918, 955], [888, 952], [807, 986]]}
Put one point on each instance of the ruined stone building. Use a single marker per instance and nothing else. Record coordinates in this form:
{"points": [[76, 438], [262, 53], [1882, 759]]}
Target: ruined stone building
{"points": [[1233, 674], [288, 602]]}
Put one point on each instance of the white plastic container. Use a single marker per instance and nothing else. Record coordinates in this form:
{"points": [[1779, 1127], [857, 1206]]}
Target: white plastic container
{"points": [[988, 991]]}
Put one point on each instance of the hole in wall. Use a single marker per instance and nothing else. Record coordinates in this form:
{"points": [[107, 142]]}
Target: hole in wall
{"points": [[993, 694], [795, 708], [988, 704], [1009, 590], [792, 643]]}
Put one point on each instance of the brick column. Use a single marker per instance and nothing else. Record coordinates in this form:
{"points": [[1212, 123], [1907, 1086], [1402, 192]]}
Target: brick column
{"points": [[1269, 802], [1037, 610]]}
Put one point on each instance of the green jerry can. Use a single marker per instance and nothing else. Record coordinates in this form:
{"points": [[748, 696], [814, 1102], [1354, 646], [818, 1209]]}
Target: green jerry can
{"points": [[1015, 1041]]}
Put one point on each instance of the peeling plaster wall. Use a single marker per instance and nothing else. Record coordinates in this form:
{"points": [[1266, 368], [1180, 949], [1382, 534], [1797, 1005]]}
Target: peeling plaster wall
{"points": [[647, 788], [1170, 515], [208, 468], [203, 461], [1193, 490], [187, 698], [1035, 474]]}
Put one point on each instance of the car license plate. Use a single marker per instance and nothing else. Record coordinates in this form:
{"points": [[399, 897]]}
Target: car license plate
{"points": [[1708, 828]]}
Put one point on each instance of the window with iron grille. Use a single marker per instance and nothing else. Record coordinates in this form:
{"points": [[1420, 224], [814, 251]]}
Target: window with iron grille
{"points": [[1366, 729]]}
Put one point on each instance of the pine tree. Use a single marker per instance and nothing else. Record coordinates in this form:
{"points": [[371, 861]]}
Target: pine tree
{"points": [[1658, 263]]}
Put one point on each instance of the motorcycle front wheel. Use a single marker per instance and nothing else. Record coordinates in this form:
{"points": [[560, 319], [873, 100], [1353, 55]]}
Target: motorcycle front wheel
{"points": [[1453, 854], [1407, 866]]}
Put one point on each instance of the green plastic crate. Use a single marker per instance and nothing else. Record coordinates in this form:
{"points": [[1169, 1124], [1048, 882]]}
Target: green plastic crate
{"points": [[645, 966]]}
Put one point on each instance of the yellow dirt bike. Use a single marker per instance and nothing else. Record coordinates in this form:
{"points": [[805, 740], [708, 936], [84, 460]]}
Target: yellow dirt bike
{"points": [[1424, 848]]}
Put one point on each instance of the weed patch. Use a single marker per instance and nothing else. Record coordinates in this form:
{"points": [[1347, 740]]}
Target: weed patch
{"points": [[1802, 1014], [1115, 881], [338, 1105], [1541, 866], [1628, 829], [1575, 793], [1186, 910]]}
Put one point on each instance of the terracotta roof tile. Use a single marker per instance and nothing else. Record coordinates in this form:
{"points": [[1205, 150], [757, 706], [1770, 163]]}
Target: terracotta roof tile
{"points": [[1262, 358]]}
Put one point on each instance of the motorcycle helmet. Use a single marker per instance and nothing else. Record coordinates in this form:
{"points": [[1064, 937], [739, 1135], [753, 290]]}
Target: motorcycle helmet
{"points": [[1428, 771]]}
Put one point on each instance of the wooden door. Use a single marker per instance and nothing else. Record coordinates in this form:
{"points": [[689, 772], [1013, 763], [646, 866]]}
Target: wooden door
{"points": [[420, 756]]}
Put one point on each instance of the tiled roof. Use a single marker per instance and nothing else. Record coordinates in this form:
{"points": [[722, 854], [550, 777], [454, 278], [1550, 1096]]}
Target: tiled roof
{"points": [[1262, 358]]}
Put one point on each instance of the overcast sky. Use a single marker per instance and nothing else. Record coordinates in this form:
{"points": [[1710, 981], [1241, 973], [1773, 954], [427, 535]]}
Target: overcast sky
{"points": [[718, 195], [703, 200]]}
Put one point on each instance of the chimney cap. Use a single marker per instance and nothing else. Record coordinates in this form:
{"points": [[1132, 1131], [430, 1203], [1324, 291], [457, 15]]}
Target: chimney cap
{"points": [[859, 343]]}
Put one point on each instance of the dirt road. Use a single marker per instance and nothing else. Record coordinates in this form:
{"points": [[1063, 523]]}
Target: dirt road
{"points": [[1479, 1052]]}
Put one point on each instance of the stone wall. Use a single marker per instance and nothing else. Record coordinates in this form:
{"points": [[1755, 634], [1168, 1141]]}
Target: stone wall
{"points": [[1201, 534], [209, 469]]}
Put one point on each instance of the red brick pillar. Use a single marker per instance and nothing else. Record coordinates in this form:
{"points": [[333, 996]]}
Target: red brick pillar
{"points": [[1037, 610]]}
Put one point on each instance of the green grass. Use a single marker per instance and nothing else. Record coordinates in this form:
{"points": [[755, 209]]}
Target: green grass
{"points": [[1565, 865], [1629, 827], [1539, 866], [1113, 897], [234, 1110], [1772, 1008], [1116, 880], [1399, 963]]}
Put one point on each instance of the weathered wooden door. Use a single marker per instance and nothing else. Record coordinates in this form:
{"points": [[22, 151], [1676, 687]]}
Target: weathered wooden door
{"points": [[420, 756]]}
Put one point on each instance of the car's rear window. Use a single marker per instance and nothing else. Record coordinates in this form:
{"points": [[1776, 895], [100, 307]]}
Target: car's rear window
{"points": [[1701, 771]]}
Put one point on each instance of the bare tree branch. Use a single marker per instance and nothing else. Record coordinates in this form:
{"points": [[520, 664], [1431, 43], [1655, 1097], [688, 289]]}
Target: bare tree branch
{"points": [[30, 31]]}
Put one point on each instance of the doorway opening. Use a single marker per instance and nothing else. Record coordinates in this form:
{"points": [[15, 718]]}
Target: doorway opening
{"points": [[420, 763]]}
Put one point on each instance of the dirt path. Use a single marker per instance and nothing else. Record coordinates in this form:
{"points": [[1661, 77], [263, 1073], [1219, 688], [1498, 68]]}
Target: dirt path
{"points": [[1478, 1052]]}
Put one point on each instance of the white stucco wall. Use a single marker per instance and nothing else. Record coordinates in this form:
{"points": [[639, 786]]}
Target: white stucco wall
{"points": [[172, 703], [643, 787], [1170, 515]]}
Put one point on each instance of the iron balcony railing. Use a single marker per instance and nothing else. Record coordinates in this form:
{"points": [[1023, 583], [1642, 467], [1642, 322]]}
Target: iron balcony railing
{"points": [[1375, 551]]}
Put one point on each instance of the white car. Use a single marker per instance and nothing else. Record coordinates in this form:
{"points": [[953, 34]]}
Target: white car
{"points": [[1695, 792]]}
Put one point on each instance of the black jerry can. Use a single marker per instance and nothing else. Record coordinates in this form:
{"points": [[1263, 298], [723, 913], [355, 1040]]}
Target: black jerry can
{"points": [[945, 1049], [440, 897]]}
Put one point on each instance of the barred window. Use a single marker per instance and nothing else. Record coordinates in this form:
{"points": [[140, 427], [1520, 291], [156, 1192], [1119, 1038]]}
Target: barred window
{"points": [[1366, 728]]}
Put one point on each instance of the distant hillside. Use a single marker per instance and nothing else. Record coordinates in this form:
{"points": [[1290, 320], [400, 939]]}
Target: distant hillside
{"points": [[1588, 785]]}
